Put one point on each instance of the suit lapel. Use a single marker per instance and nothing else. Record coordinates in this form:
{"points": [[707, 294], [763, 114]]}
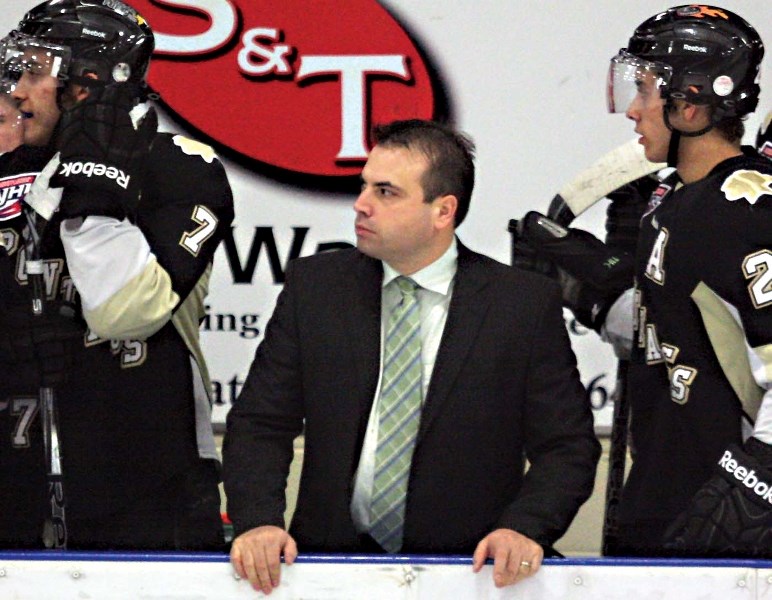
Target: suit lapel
{"points": [[465, 315], [364, 328]]}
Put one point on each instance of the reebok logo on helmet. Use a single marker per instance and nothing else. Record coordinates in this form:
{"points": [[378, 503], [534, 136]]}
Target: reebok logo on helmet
{"points": [[101, 35], [91, 169], [692, 48]]}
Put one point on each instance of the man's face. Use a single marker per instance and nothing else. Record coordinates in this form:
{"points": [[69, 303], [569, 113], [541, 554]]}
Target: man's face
{"points": [[36, 95], [646, 110], [393, 223], [11, 130]]}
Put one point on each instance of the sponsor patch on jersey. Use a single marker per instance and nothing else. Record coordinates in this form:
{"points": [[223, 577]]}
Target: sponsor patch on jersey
{"points": [[194, 148], [12, 192], [747, 185], [663, 189], [766, 150]]}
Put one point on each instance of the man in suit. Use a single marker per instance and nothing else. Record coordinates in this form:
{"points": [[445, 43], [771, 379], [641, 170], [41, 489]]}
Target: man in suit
{"points": [[496, 384]]}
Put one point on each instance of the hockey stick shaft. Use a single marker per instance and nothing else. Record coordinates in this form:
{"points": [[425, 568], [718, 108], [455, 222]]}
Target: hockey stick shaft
{"points": [[622, 165], [611, 171], [55, 533], [55, 528], [616, 463]]}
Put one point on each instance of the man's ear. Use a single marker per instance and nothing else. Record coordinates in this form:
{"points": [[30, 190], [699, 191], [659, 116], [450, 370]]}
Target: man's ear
{"points": [[693, 116], [446, 210], [81, 92]]}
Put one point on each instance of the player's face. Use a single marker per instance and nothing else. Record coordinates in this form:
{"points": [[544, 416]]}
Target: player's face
{"points": [[646, 110], [11, 130], [393, 223], [36, 94]]}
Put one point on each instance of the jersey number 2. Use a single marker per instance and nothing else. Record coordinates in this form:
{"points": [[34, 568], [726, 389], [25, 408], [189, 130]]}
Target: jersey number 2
{"points": [[758, 267]]}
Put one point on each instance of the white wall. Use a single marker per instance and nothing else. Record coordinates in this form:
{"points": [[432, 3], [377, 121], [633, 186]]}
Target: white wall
{"points": [[525, 79]]}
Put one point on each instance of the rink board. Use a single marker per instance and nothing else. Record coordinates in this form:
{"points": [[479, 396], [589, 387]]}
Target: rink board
{"points": [[150, 576]]}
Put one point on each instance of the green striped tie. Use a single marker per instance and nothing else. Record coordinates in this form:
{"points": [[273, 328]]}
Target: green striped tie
{"points": [[399, 413]]}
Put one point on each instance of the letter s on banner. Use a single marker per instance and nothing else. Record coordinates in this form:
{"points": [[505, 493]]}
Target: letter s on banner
{"points": [[222, 16], [289, 85]]}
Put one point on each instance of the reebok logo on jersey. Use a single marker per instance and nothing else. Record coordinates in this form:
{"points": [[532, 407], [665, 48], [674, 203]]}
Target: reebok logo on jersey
{"points": [[746, 476], [747, 185], [91, 169], [12, 191]]}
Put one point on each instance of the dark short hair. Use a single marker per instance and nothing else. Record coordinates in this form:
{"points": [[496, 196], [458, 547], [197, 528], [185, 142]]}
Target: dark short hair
{"points": [[450, 154], [731, 128]]}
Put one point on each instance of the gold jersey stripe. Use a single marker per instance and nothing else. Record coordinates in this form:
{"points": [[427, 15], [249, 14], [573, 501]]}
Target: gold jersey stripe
{"points": [[728, 340], [139, 309]]}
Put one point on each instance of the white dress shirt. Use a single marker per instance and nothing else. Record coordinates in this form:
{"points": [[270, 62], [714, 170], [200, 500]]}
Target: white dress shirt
{"points": [[434, 293]]}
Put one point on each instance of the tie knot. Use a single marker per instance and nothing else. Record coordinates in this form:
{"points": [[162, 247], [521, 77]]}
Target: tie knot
{"points": [[406, 285]]}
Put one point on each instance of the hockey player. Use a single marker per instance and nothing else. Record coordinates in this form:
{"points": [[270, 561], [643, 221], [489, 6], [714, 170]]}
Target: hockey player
{"points": [[700, 378], [22, 465], [125, 221], [702, 404]]}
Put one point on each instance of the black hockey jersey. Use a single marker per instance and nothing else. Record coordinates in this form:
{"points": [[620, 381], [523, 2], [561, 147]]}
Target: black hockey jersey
{"points": [[134, 410], [704, 329]]}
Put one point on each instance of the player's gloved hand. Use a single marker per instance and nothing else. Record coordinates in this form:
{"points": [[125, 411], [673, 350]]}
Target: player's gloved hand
{"points": [[624, 212], [102, 154], [39, 348], [591, 275], [731, 515], [525, 256]]}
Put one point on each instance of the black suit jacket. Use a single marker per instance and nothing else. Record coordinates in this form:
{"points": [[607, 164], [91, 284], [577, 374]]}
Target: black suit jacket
{"points": [[504, 388]]}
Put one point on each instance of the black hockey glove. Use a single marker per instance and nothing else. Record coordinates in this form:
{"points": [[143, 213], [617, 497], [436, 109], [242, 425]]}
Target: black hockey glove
{"points": [[731, 515], [102, 155], [591, 275], [623, 215], [525, 256], [38, 349]]}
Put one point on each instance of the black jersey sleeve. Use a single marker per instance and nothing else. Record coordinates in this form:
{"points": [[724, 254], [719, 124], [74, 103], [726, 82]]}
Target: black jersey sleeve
{"points": [[187, 210]]}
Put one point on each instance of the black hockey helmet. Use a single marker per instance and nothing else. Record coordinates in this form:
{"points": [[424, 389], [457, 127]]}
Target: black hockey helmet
{"points": [[106, 38], [702, 54]]}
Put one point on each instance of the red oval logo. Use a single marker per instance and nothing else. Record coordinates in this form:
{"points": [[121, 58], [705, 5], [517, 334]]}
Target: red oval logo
{"points": [[292, 84]]}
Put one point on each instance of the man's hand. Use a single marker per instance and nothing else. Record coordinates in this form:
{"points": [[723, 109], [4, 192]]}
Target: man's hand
{"points": [[515, 556], [255, 555]]}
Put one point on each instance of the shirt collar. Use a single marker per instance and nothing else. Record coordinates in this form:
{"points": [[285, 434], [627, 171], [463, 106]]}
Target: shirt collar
{"points": [[435, 277]]}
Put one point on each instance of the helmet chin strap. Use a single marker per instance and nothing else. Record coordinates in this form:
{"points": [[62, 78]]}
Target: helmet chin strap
{"points": [[677, 134]]}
